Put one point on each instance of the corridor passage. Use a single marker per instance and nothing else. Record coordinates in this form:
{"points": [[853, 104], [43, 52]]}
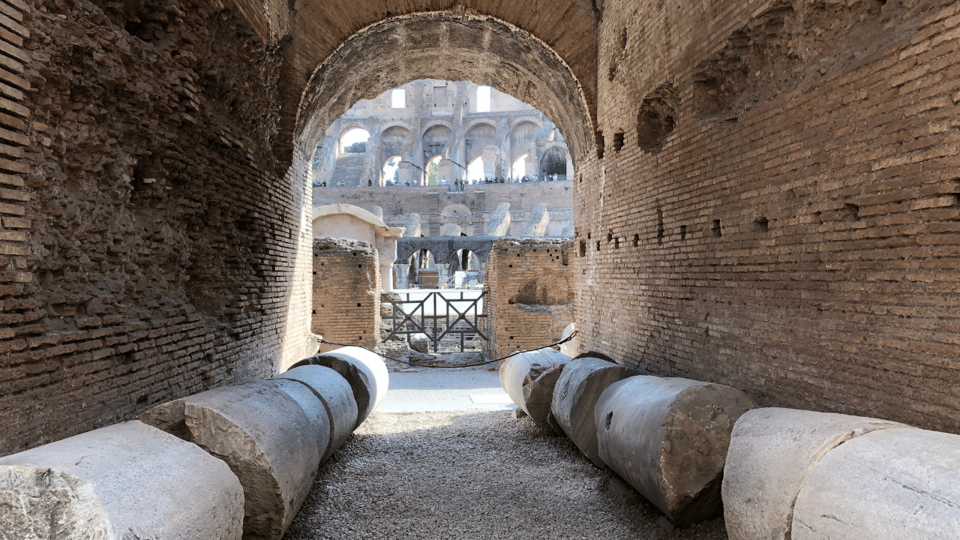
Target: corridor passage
{"points": [[462, 467]]}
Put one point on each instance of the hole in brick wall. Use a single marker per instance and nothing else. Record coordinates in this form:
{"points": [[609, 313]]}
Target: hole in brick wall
{"points": [[509, 266], [589, 234], [761, 224], [617, 141], [636, 240], [314, 312], [359, 305], [609, 236], [612, 74], [142, 400], [717, 232], [583, 248], [616, 243], [600, 144], [354, 253], [314, 273], [818, 217], [657, 117], [359, 266], [511, 337], [660, 229], [683, 232], [580, 176], [851, 212], [598, 246]]}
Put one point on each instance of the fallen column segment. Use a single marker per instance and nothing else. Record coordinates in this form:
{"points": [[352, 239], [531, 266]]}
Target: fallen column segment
{"points": [[337, 397], [575, 399], [771, 452], [529, 378], [364, 370], [890, 484], [123, 481], [266, 439], [668, 438]]}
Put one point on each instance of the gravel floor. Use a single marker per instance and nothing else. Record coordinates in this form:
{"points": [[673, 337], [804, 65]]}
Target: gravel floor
{"points": [[473, 475]]}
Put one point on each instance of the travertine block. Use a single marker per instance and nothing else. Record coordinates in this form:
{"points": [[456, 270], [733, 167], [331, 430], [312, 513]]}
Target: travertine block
{"points": [[265, 438], [575, 398], [364, 370], [771, 451], [528, 378], [892, 484], [337, 396], [668, 438], [123, 481]]}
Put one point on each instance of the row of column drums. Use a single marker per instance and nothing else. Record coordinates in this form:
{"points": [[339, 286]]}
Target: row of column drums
{"points": [[696, 449], [236, 461]]}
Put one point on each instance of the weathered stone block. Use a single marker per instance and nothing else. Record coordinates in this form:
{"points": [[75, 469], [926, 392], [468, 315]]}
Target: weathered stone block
{"points": [[123, 481], [891, 484], [771, 451], [668, 437], [365, 371], [528, 378], [575, 399], [337, 396], [265, 438]]}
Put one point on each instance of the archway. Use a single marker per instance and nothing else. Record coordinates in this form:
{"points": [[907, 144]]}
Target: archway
{"points": [[553, 164], [514, 62], [519, 167], [431, 173], [391, 171], [353, 141], [475, 171]]}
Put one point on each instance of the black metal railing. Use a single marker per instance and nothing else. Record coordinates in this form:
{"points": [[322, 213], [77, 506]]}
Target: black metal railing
{"points": [[448, 321]]}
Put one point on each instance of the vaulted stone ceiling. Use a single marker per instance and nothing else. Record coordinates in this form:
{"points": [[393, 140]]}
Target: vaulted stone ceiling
{"points": [[340, 51]]}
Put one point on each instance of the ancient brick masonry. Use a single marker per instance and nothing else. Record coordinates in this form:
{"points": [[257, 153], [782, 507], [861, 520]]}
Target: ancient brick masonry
{"points": [[346, 292], [149, 244], [781, 214], [529, 295]]}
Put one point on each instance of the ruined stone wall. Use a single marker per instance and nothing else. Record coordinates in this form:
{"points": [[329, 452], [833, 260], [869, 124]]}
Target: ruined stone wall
{"points": [[530, 294], [150, 247], [346, 292], [776, 206], [482, 199]]}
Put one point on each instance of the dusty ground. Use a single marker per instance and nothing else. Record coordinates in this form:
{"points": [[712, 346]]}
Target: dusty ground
{"points": [[469, 475]]}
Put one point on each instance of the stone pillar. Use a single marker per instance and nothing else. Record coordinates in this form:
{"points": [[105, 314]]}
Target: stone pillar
{"points": [[443, 274], [446, 172], [406, 172], [490, 156], [530, 165], [403, 276]]}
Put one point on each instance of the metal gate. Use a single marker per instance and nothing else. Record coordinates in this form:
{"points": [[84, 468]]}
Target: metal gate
{"points": [[450, 319]]}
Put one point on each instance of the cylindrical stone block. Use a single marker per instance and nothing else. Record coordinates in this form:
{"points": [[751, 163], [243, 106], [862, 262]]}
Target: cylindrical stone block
{"points": [[528, 378], [365, 371], [771, 451], [575, 399], [891, 484], [313, 407], [265, 438], [337, 396], [123, 481], [668, 437]]}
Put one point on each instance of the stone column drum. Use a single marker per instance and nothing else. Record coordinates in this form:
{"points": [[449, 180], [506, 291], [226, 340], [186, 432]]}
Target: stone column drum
{"points": [[123, 481], [265, 438], [771, 451], [528, 378], [892, 484], [668, 438], [575, 398], [335, 392], [364, 370]]}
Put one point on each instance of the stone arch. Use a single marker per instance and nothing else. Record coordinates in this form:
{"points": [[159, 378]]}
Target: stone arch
{"points": [[345, 132], [435, 140], [553, 161], [478, 137], [515, 62]]}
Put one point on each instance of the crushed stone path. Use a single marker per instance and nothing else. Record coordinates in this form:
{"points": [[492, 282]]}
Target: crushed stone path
{"points": [[473, 475]]}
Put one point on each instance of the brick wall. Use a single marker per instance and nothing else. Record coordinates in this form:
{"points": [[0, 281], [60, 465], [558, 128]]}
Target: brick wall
{"points": [[346, 292], [529, 300], [149, 248], [776, 207]]}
